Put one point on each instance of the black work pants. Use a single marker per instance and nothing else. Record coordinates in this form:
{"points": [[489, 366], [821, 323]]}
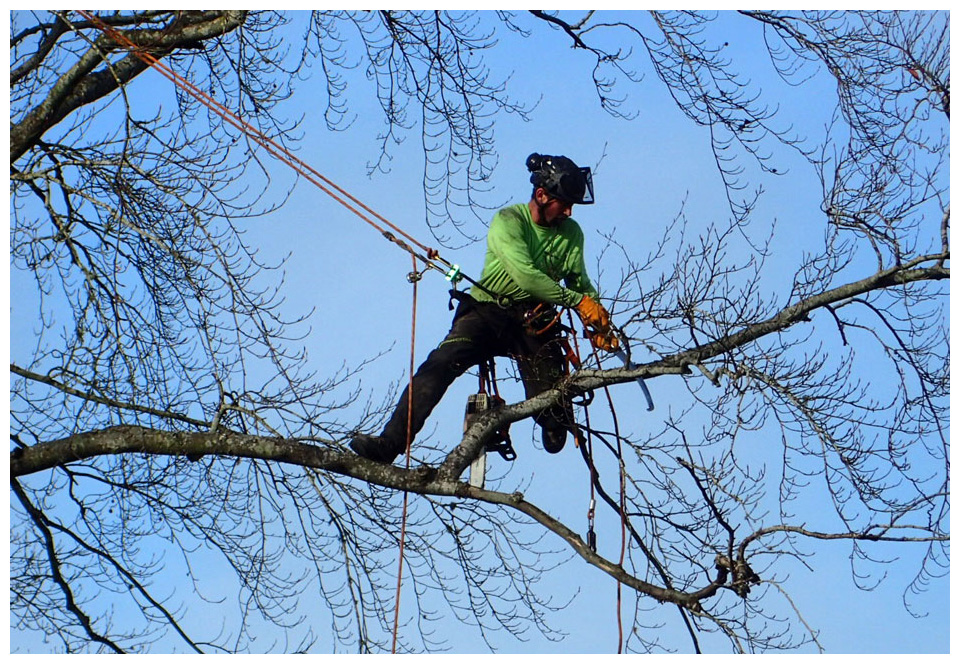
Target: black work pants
{"points": [[482, 330]]}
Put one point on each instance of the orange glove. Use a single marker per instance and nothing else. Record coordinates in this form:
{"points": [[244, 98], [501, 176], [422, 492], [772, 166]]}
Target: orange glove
{"points": [[605, 341], [593, 314]]}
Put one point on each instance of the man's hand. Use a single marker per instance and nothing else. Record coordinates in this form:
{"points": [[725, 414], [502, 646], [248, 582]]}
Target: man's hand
{"points": [[593, 314], [597, 319], [605, 341]]}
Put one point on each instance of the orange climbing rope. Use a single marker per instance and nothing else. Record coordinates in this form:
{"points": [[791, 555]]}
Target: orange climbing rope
{"points": [[277, 150], [414, 278]]}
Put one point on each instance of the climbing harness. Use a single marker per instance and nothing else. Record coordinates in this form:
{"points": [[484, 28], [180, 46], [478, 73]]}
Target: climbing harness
{"points": [[541, 318]]}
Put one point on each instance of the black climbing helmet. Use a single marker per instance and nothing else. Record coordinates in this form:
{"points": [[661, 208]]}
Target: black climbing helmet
{"points": [[561, 178]]}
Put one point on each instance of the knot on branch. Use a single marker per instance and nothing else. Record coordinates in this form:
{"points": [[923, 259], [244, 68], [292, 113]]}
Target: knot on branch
{"points": [[743, 576]]}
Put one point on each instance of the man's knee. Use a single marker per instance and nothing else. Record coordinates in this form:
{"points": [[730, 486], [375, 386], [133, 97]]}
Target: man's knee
{"points": [[453, 356]]}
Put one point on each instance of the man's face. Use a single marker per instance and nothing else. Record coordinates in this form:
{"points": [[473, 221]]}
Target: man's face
{"points": [[552, 210]]}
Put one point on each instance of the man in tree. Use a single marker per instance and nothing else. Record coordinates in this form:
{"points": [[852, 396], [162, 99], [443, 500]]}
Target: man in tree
{"points": [[531, 247]]}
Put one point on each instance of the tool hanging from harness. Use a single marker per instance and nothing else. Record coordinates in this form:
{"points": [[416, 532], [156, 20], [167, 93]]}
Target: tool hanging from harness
{"points": [[477, 404]]}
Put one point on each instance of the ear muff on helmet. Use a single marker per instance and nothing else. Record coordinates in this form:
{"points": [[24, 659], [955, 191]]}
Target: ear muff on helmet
{"points": [[561, 178]]}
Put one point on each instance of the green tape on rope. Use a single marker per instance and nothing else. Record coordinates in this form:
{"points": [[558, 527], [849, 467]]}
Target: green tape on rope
{"points": [[453, 274]]}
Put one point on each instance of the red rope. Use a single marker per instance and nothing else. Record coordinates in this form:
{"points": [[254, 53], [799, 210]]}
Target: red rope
{"points": [[280, 152], [623, 510], [403, 521]]}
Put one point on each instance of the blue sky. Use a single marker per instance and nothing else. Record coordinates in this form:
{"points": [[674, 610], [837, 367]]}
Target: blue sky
{"points": [[646, 171]]}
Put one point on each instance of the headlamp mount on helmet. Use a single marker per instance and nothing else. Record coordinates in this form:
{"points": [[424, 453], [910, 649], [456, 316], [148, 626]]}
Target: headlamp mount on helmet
{"points": [[561, 178]]}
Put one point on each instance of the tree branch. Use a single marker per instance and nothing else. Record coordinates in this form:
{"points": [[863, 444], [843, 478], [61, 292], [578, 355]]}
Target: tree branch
{"points": [[81, 85], [39, 520]]}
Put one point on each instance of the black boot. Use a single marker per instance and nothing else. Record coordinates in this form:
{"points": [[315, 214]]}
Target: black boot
{"points": [[554, 438], [375, 448]]}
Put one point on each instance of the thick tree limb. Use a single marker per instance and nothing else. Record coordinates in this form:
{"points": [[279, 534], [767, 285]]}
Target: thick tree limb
{"points": [[423, 480], [119, 440]]}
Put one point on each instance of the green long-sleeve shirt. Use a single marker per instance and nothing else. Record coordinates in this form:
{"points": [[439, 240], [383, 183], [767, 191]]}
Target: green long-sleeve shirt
{"points": [[525, 261]]}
